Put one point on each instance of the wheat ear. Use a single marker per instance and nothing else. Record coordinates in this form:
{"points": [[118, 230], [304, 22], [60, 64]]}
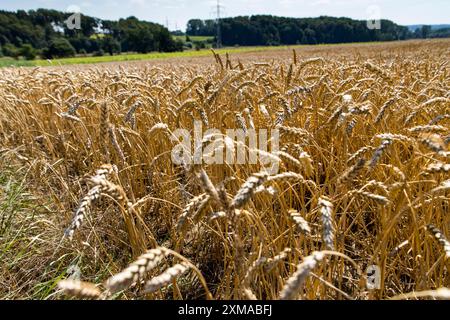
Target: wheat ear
{"points": [[248, 189], [441, 238], [136, 270], [166, 277], [79, 289], [86, 202], [326, 209], [302, 224], [294, 283]]}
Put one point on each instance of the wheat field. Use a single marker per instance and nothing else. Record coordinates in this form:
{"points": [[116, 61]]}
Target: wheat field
{"points": [[92, 205]]}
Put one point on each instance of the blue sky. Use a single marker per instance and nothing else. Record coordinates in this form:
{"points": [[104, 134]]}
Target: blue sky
{"points": [[178, 12]]}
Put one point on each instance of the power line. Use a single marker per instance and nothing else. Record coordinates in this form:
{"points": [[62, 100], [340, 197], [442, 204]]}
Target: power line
{"points": [[219, 7]]}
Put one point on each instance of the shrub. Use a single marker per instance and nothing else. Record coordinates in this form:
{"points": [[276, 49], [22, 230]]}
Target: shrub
{"points": [[10, 50], [99, 53], [111, 45], [59, 48], [199, 45], [28, 52], [82, 52]]}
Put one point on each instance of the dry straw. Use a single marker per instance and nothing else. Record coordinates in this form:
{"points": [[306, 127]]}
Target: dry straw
{"points": [[372, 136]]}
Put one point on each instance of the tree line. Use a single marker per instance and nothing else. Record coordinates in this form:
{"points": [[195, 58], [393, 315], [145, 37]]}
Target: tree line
{"points": [[272, 30], [44, 32]]}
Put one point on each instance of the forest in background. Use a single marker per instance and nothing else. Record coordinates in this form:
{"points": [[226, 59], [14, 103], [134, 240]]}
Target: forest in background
{"points": [[44, 33], [272, 30]]}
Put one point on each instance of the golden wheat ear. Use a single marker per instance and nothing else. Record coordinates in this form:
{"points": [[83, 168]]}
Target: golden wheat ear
{"points": [[136, 270], [248, 189], [295, 282], [166, 277], [440, 237], [326, 209], [79, 289]]}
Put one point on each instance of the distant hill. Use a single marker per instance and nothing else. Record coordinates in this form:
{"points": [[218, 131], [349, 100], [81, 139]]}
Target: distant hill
{"points": [[414, 27]]}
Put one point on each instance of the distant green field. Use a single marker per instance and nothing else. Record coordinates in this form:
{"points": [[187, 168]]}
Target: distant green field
{"points": [[8, 62], [193, 38]]}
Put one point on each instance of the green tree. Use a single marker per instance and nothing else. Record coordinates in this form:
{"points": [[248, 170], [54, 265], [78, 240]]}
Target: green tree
{"points": [[111, 45], [271, 30], [199, 45], [425, 31], [28, 52], [59, 48], [11, 50], [195, 27], [99, 53], [39, 27]]}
